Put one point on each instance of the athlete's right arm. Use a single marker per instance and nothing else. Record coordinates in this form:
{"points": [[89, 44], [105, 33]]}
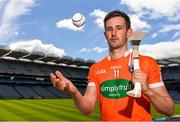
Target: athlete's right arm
{"points": [[87, 102], [84, 103]]}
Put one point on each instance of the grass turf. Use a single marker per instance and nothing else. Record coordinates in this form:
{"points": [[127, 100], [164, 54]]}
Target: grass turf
{"points": [[49, 110], [42, 110]]}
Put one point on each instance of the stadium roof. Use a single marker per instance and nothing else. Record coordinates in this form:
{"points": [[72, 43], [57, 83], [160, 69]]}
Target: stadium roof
{"points": [[40, 56], [169, 62]]}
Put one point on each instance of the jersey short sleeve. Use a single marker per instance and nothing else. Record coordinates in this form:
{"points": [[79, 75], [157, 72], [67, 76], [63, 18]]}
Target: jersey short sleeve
{"points": [[154, 76], [91, 76]]}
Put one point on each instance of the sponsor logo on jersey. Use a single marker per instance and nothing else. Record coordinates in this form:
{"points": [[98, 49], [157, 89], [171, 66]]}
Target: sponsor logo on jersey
{"points": [[116, 88]]}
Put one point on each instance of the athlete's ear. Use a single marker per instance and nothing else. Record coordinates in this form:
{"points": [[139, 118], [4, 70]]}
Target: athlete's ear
{"points": [[129, 32], [105, 34]]}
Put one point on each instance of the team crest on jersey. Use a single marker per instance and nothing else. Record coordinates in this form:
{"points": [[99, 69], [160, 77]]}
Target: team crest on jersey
{"points": [[116, 88], [101, 71]]}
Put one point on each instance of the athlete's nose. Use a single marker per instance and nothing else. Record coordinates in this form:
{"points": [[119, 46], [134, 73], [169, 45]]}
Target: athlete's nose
{"points": [[114, 31]]}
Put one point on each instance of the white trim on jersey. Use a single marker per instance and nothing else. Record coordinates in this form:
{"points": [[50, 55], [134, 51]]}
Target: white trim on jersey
{"points": [[154, 85], [91, 84]]}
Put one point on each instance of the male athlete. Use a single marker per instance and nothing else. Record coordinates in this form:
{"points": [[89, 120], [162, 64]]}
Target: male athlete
{"points": [[110, 79]]}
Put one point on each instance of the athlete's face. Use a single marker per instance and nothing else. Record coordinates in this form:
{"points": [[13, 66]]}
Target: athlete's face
{"points": [[116, 32]]}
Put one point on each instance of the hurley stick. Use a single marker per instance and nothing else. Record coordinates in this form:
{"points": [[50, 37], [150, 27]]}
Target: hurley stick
{"points": [[135, 40]]}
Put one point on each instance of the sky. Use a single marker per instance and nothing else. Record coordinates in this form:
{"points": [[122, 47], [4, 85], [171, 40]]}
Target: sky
{"points": [[46, 26]]}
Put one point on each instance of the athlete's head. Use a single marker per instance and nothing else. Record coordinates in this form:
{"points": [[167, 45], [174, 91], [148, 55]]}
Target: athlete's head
{"points": [[118, 13], [117, 29]]}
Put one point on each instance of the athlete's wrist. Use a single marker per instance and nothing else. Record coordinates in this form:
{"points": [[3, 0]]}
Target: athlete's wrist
{"points": [[74, 92]]}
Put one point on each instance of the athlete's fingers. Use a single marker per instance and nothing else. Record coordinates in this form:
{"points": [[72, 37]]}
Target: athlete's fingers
{"points": [[139, 73], [144, 84], [53, 78], [57, 83], [59, 75], [134, 80], [139, 76], [60, 85]]}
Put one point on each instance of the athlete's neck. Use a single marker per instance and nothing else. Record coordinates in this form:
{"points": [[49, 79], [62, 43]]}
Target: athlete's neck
{"points": [[117, 53]]}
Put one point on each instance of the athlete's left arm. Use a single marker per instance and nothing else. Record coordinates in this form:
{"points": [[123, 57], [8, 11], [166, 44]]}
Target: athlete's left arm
{"points": [[158, 95], [161, 100]]}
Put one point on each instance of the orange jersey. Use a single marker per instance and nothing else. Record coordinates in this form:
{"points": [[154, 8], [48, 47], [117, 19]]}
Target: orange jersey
{"points": [[113, 79]]}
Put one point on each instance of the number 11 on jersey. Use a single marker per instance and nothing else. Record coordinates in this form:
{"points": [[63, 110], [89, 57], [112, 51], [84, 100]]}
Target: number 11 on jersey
{"points": [[116, 73]]}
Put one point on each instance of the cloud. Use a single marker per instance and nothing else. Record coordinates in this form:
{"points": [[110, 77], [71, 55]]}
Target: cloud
{"points": [[138, 24], [161, 50], [171, 27], [2, 3], [67, 24], [99, 15], [10, 11], [154, 35], [155, 8], [169, 49], [176, 35], [95, 49], [161, 11], [37, 45], [175, 18]]}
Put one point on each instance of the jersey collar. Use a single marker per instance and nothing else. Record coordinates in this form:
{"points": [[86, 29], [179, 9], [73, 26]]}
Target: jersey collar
{"points": [[125, 55]]}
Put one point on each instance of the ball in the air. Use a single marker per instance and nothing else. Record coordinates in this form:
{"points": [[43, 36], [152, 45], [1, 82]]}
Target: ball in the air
{"points": [[78, 19]]}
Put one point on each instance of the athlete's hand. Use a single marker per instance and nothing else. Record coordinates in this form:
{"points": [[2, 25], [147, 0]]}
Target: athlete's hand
{"points": [[139, 76], [62, 83]]}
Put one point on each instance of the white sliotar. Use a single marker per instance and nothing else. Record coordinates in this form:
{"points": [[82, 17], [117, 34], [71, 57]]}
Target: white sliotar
{"points": [[78, 19]]}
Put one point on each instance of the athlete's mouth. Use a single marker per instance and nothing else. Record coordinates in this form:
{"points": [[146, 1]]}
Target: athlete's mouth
{"points": [[114, 39]]}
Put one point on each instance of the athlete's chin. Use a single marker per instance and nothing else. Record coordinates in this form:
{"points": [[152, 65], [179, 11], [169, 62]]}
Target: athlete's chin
{"points": [[113, 47]]}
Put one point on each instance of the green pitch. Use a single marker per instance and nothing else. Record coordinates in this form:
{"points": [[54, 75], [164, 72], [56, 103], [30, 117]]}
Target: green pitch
{"points": [[49, 110], [42, 110]]}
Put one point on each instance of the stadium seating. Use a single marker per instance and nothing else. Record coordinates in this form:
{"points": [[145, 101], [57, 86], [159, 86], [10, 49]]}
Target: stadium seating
{"points": [[26, 92], [58, 93], [29, 79], [8, 91], [42, 91], [170, 73]]}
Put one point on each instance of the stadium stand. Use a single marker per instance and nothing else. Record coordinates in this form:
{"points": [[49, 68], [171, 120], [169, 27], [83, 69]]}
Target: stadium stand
{"points": [[26, 74], [171, 78], [58, 93], [8, 91], [43, 92], [26, 92]]}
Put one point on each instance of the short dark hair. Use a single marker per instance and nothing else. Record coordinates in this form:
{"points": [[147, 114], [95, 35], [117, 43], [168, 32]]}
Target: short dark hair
{"points": [[118, 13]]}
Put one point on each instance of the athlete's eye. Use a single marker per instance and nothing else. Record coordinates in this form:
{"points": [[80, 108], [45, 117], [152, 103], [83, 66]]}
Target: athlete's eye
{"points": [[119, 27], [108, 29]]}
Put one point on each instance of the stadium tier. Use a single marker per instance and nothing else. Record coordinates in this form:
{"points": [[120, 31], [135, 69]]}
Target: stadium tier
{"points": [[26, 75]]}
